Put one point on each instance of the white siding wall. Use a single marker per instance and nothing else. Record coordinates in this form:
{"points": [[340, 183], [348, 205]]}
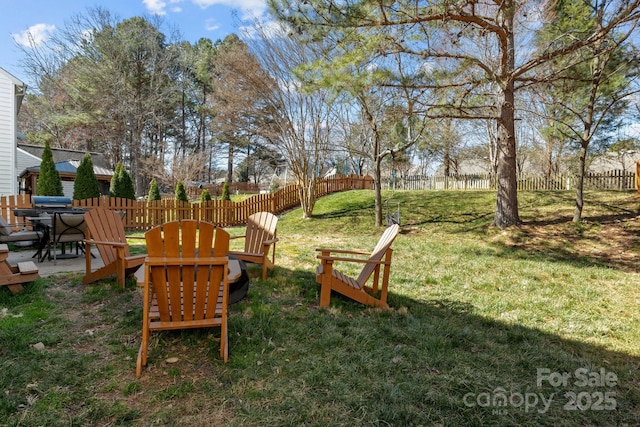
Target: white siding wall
{"points": [[8, 179]]}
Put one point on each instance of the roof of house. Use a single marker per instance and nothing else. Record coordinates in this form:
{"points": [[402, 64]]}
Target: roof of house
{"points": [[70, 167], [64, 155]]}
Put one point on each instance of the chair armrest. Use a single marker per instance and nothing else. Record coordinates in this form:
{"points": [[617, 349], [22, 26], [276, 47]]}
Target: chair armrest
{"points": [[98, 242], [237, 237], [342, 251], [359, 260], [270, 241]]}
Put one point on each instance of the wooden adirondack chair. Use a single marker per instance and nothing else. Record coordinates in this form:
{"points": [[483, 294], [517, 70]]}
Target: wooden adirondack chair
{"points": [[185, 281], [331, 279], [105, 230], [13, 277], [258, 238]]}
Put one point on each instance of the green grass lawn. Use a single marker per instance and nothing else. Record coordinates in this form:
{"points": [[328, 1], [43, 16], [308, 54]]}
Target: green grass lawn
{"points": [[531, 326]]}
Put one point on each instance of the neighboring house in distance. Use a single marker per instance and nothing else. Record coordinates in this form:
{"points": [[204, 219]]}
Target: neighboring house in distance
{"points": [[12, 92], [615, 161], [66, 161]]}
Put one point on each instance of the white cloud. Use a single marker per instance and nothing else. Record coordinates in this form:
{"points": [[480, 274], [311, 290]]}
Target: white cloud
{"points": [[211, 25], [250, 8], [155, 6], [34, 36]]}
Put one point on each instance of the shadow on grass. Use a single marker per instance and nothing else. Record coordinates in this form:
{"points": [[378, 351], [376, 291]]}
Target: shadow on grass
{"points": [[606, 240], [433, 362]]}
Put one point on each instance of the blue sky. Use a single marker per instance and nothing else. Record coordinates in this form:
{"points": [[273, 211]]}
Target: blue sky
{"points": [[193, 18]]}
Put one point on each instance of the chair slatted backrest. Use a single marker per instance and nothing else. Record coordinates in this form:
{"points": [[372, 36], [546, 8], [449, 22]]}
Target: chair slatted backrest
{"points": [[379, 251], [187, 287], [106, 226], [261, 226]]}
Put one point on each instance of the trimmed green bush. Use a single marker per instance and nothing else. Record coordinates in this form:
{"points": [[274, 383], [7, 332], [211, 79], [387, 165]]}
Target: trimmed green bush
{"points": [[86, 184], [226, 195], [49, 182], [122, 184], [181, 193], [154, 191], [205, 196]]}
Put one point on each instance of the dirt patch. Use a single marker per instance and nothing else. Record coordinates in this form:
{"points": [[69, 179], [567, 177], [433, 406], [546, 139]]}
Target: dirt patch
{"points": [[157, 397]]}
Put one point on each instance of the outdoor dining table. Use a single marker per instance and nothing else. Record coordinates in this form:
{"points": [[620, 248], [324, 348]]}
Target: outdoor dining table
{"points": [[44, 224]]}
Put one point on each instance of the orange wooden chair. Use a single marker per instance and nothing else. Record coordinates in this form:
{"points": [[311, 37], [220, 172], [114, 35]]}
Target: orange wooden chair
{"points": [[14, 276], [185, 281], [331, 279], [258, 239], [105, 230]]}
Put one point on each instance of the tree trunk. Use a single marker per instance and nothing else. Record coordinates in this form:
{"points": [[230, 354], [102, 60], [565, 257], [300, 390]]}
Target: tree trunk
{"points": [[577, 216], [377, 181], [307, 195], [230, 164], [507, 197]]}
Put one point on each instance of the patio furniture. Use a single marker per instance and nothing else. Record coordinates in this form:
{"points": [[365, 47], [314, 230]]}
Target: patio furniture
{"points": [[8, 235], [259, 236], [331, 279], [14, 276], [185, 281], [105, 230], [66, 228]]}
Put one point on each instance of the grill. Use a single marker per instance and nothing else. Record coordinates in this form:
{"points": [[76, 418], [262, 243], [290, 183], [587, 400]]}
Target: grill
{"points": [[51, 204]]}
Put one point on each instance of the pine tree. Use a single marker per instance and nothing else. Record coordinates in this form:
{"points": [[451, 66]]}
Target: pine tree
{"points": [[154, 191], [49, 182], [114, 188], [122, 184], [181, 193], [128, 192], [225, 191], [86, 184], [205, 196]]}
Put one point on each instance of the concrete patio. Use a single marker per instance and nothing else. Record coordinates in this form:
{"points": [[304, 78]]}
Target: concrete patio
{"points": [[48, 268]]}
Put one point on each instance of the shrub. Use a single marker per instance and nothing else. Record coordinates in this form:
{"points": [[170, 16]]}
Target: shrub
{"points": [[225, 191], [205, 196], [86, 184], [49, 182], [122, 184], [181, 193], [154, 191]]}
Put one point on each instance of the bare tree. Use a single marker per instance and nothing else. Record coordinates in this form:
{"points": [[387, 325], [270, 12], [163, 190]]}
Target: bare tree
{"points": [[300, 123]]}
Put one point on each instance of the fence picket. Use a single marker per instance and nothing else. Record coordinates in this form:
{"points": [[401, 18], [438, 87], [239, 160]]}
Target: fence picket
{"points": [[611, 180]]}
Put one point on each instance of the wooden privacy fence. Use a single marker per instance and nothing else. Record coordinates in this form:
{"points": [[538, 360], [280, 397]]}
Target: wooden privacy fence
{"points": [[611, 180], [142, 215]]}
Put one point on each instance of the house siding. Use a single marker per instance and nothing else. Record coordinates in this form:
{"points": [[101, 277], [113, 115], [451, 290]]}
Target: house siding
{"points": [[8, 179]]}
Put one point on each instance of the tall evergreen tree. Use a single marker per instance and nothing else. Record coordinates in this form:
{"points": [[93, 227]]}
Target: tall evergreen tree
{"points": [[226, 195], [128, 191], [122, 184], [205, 196], [86, 184], [49, 182], [181, 192], [154, 191]]}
